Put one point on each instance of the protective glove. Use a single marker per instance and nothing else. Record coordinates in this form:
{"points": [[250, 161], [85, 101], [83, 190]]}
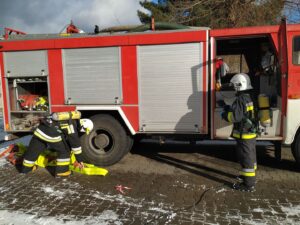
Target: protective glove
{"points": [[79, 165], [218, 86]]}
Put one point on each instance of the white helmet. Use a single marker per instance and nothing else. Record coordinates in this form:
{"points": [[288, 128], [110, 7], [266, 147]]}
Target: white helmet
{"points": [[241, 82], [86, 125]]}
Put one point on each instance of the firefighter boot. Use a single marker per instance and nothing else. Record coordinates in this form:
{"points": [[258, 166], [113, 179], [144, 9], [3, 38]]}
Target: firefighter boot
{"points": [[64, 174], [25, 169], [243, 187]]}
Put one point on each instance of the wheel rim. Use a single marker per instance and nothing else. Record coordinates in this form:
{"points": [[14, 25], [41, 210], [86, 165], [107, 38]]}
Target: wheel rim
{"points": [[101, 141]]}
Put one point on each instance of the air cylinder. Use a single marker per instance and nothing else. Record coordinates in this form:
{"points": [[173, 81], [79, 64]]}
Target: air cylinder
{"points": [[264, 110], [59, 116]]}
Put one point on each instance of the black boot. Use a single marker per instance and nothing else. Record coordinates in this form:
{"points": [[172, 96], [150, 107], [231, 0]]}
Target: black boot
{"points": [[243, 187]]}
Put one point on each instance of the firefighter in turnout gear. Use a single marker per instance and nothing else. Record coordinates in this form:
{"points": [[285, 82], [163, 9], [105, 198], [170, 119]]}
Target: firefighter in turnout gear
{"points": [[242, 115], [59, 133]]}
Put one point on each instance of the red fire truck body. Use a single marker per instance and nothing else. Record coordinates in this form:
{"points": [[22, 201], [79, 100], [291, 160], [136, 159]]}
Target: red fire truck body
{"points": [[159, 83]]}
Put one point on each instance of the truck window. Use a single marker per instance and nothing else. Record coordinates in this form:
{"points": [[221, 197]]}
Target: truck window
{"points": [[296, 50], [237, 63]]}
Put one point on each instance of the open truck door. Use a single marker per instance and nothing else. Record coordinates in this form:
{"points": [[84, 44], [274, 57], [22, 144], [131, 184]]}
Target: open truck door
{"points": [[283, 63]]}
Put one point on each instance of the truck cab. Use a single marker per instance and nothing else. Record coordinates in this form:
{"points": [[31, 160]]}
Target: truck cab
{"points": [[244, 49]]}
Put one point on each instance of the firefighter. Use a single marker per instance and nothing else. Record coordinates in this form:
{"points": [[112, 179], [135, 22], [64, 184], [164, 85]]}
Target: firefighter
{"points": [[267, 60], [242, 115], [221, 70], [61, 136]]}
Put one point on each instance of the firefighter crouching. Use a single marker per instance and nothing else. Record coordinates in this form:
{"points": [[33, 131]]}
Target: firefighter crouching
{"points": [[242, 115], [60, 133]]}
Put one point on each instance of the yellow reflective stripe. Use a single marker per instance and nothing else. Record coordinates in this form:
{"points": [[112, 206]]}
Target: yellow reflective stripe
{"points": [[229, 116], [250, 108], [244, 136], [247, 174], [77, 151], [255, 166], [67, 127], [62, 163], [67, 173], [45, 137], [28, 163]]}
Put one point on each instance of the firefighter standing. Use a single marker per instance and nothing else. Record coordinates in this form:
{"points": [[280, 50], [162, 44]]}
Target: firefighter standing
{"points": [[59, 135], [242, 115]]}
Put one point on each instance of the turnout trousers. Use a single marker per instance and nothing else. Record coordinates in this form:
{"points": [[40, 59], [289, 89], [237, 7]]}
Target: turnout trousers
{"points": [[37, 146], [246, 152]]}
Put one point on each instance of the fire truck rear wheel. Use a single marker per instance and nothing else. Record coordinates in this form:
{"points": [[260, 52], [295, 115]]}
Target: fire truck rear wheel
{"points": [[296, 148], [107, 143]]}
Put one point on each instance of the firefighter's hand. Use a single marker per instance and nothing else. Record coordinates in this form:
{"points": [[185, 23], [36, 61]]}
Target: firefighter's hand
{"points": [[79, 165], [218, 86]]}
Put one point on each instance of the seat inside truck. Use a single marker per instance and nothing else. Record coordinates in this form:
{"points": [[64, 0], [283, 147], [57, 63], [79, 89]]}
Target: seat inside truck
{"points": [[247, 55]]}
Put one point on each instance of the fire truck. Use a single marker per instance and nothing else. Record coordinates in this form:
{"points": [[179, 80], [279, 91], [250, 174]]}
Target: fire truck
{"points": [[157, 84]]}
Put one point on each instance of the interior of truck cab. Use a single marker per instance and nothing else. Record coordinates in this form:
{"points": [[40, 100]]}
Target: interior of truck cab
{"points": [[256, 57]]}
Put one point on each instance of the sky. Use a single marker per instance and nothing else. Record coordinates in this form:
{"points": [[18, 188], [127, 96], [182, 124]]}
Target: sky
{"points": [[51, 16]]}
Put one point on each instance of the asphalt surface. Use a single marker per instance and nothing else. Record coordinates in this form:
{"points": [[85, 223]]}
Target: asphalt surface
{"points": [[174, 183]]}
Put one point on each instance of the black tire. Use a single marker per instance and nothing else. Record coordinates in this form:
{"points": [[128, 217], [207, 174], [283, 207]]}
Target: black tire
{"points": [[293, 149], [107, 143], [296, 148], [130, 142]]}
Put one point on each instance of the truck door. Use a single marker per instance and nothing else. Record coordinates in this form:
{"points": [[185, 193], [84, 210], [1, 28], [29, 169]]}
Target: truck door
{"points": [[283, 62]]}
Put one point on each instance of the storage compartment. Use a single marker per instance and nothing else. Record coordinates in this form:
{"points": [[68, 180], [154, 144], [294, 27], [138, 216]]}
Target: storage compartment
{"points": [[171, 93], [92, 76], [28, 101], [255, 57]]}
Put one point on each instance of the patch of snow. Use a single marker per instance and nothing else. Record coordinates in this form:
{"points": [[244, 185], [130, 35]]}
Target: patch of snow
{"points": [[203, 187], [161, 195], [221, 190], [147, 208], [3, 189], [15, 217], [291, 211], [258, 210], [3, 162], [51, 192], [159, 210], [118, 198], [252, 222], [56, 193]]}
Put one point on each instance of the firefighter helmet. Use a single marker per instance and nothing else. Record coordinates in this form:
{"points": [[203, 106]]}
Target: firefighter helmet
{"points": [[241, 82], [86, 125]]}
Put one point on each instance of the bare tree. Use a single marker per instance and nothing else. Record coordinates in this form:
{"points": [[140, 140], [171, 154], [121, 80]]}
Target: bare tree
{"points": [[216, 13]]}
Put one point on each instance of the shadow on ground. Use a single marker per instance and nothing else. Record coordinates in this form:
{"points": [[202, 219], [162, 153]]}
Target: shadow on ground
{"points": [[220, 150]]}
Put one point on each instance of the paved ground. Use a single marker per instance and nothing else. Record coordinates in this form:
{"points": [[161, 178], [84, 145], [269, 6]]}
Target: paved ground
{"points": [[175, 183]]}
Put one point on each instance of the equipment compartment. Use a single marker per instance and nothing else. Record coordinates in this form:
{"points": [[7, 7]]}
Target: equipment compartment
{"points": [[28, 99]]}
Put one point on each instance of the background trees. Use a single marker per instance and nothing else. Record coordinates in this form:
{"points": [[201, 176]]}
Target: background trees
{"points": [[217, 13]]}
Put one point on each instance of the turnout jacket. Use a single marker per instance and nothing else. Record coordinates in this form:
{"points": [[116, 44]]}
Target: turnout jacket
{"points": [[56, 131], [242, 115]]}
